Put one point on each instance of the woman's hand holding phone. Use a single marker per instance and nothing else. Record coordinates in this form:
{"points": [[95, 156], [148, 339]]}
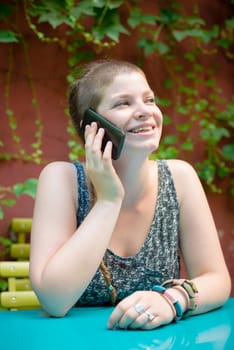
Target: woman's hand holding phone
{"points": [[99, 165], [112, 132]]}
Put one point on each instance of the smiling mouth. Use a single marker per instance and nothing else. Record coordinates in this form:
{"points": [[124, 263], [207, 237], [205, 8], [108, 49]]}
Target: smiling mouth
{"points": [[141, 129]]}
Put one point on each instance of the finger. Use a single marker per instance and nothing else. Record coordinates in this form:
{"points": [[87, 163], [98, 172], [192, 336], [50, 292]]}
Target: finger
{"points": [[156, 322], [95, 151], [107, 154], [118, 313], [90, 132], [97, 141], [139, 322], [114, 318], [134, 315], [93, 147], [143, 319]]}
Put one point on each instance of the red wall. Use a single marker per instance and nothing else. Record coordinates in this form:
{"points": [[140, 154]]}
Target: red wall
{"points": [[48, 65]]}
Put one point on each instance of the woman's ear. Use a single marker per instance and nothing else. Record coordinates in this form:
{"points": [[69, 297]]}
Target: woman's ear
{"points": [[81, 122]]}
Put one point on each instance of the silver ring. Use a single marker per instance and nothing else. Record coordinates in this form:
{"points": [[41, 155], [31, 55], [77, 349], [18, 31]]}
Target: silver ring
{"points": [[150, 316], [139, 309]]}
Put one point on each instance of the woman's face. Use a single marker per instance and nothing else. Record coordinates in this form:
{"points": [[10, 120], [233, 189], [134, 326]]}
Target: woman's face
{"points": [[129, 103]]}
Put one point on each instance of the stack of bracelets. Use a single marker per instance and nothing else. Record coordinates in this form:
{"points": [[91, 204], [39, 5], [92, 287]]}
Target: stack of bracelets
{"points": [[187, 288]]}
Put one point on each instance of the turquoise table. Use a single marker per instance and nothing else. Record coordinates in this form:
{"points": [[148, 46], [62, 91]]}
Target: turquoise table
{"points": [[85, 329]]}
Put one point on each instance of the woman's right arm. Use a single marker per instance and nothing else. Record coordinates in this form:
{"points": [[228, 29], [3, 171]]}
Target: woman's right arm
{"points": [[64, 258]]}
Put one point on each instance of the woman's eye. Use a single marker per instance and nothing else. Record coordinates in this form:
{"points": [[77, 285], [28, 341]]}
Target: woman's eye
{"points": [[121, 103], [150, 100]]}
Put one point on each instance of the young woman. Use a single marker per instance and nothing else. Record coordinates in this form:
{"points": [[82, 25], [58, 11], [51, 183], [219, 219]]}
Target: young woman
{"points": [[111, 231]]}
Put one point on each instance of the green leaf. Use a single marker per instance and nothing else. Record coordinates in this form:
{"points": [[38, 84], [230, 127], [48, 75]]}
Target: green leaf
{"points": [[150, 46], [167, 153], [163, 102], [187, 145], [82, 7], [168, 16], [113, 4], [8, 202], [115, 30], [206, 171], [201, 105], [161, 47], [28, 187], [137, 18], [223, 171], [213, 134], [180, 35], [196, 33], [7, 36], [168, 83], [183, 109], [191, 75], [190, 56], [54, 19], [192, 21], [169, 139], [210, 82], [188, 90], [230, 22], [98, 3], [54, 12], [225, 43], [228, 152], [3, 286], [5, 242], [166, 119], [147, 45], [9, 112], [110, 26], [18, 189], [1, 213], [184, 127], [31, 187]]}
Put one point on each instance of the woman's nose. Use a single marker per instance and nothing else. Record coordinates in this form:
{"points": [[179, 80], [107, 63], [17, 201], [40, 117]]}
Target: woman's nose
{"points": [[142, 112], [142, 116]]}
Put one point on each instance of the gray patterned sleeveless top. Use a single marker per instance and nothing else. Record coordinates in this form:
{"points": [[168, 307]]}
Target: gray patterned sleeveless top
{"points": [[155, 262]]}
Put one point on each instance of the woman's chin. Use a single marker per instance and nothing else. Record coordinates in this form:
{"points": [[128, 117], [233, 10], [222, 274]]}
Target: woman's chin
{"points": [[144, 149]]}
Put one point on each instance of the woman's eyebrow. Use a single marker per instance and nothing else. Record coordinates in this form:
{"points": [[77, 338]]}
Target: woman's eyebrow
{"points": [[126, 95]]}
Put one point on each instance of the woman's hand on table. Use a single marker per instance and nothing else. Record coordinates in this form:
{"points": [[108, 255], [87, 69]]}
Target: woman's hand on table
{"points": [[141, 310]]}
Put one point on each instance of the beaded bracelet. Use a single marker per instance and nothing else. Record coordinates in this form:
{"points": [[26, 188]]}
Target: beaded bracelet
{"points": [[175, 302], [168, 300], [190, 289], [185, 294]]}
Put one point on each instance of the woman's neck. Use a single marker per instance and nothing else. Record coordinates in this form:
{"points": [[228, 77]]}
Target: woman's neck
{"points": [[136, 179]]}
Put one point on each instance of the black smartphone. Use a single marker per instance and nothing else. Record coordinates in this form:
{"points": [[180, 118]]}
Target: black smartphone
{"points": [[112, 132]]}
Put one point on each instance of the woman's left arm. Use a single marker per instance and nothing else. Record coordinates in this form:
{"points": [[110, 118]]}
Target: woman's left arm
{"points": [[199, 241]]}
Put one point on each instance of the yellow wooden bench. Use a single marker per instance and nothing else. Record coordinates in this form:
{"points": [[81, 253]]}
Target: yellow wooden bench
{"points": [[21, 227], [20, 251], [19, 294]]}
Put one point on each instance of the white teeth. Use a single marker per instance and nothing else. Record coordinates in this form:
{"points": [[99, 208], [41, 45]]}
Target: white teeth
{"points": [[141, 129]]}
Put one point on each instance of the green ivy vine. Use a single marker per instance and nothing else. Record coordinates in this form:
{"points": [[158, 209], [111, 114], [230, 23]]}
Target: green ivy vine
{"points": [[201, 112]]}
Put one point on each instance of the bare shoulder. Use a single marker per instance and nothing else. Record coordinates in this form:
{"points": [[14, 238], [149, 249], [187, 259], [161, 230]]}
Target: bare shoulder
{"points": [[180, 167], [185, 176], [58, 168], [58, 178]]}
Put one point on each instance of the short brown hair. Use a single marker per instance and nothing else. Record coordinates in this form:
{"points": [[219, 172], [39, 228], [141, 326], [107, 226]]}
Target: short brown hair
{"points": [[88, 89]]}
